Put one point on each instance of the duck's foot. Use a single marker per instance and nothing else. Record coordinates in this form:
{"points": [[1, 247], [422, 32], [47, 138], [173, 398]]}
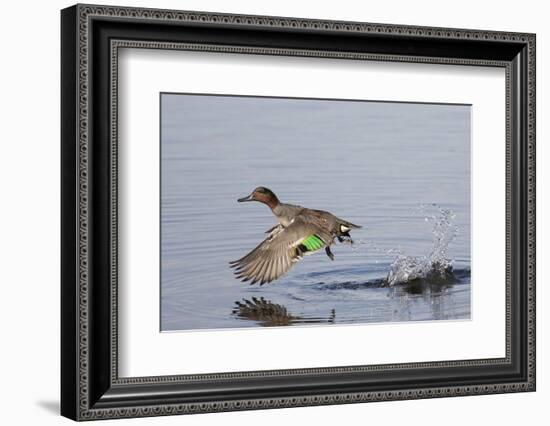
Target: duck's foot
{"points": [[329, 253], [346, 239]]}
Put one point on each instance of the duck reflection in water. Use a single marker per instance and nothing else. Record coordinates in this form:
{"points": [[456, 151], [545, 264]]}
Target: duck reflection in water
{"points": [[434, 290], [270, 314]]}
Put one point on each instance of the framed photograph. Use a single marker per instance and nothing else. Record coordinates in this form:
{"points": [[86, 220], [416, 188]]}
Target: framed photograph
{"points": [[263, 212]]}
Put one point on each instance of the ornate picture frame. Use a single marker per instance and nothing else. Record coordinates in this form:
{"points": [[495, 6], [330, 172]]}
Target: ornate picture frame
{"points": [[91, 37]]}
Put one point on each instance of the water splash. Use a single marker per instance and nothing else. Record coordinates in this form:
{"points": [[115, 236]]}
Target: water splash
{"points": [[436, 267]]}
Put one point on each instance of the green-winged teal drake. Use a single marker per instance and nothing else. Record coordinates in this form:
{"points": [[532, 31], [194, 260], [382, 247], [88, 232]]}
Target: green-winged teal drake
{"points": [[300, 231]]}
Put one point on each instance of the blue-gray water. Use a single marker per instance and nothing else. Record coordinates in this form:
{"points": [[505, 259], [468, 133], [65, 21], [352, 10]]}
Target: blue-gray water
{"points": [[401, 170]]}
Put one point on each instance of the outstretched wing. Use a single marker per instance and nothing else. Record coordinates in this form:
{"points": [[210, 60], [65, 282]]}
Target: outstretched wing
{"points": [[280, 251]]}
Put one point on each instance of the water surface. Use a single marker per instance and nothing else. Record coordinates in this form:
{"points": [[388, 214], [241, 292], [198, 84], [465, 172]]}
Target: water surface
{"points": [[401, 170]]}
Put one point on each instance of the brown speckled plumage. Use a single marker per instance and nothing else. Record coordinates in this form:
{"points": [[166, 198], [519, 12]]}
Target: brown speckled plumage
{"points": [[299, 231]]}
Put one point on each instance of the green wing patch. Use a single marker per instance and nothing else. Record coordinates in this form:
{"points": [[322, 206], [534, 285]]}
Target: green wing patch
{"points": [[313, 243]]}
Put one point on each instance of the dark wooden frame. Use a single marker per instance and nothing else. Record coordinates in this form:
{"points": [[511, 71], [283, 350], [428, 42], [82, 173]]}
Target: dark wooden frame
{"points": [[90, 386]]}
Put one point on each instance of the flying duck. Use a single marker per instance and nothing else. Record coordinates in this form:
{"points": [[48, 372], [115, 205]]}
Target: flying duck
{"points": [[300, 231]]}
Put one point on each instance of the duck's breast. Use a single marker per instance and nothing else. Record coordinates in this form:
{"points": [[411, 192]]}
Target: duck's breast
{"points": [[286, 213]]}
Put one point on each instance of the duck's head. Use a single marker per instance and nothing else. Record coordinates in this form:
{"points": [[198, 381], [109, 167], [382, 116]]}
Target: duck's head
{"points": [[263, 195]]}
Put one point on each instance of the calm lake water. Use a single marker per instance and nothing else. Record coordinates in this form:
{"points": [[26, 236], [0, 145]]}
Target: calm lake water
{"points": [[401, 170]]}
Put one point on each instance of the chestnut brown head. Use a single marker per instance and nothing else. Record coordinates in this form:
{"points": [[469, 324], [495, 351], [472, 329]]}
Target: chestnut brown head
{"points": [[263, 195]]}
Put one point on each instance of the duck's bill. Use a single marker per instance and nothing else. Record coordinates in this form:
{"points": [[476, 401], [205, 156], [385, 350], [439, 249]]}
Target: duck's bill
{"points": [[247, 198]]}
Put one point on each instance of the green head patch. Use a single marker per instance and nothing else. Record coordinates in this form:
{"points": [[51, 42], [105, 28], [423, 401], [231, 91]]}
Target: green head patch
{"points": [[265, 191]]}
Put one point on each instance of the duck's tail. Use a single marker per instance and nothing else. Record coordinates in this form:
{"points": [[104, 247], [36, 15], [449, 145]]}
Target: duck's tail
{"points": [[344, 227]]}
